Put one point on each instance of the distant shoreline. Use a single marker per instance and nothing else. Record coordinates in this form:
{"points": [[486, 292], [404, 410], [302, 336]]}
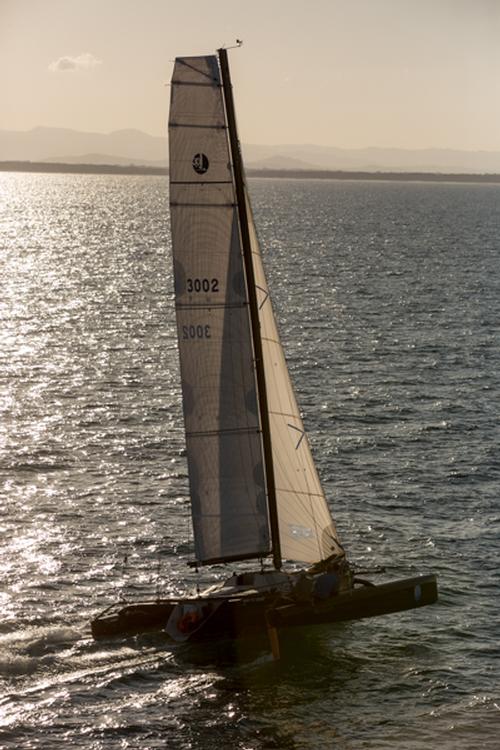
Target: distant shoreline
{"points": [[303, 174]]}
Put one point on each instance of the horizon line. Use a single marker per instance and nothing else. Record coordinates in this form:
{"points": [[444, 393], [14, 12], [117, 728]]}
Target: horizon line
{"points": [[131, 169]]}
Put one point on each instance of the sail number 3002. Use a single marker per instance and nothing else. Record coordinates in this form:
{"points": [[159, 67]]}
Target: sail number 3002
{"points": [[193, 286], [196, 332], [202, 285]]}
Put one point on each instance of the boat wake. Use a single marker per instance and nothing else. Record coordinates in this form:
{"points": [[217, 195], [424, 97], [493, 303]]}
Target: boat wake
{"points": [[43, 669], [24, 652]]}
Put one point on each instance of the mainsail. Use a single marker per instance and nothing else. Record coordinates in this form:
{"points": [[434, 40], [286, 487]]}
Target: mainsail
{"points": [[226, 462], [226, 473]]}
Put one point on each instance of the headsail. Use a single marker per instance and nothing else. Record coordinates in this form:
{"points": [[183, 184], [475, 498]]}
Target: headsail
{"points": [[224, 446], [307, 530]]}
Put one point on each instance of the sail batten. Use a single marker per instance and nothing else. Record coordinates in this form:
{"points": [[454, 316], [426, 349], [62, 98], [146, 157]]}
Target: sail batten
{"points": [[210, 433], [191, 125], [175, 204], [194, 83], [198, 182]]}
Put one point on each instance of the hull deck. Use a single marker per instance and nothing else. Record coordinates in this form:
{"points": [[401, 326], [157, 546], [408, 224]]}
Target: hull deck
{"points": [[252, 613]]}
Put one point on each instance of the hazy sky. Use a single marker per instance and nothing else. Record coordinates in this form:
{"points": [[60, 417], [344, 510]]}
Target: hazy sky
{"points": [[348, 73]]}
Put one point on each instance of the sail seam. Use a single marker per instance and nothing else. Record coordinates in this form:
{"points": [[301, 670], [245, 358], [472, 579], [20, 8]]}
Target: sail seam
{"points": [[174, 204], [210, 306], [196, 125], [234, 431], [197, 83], [201, 182], [232, 558]]}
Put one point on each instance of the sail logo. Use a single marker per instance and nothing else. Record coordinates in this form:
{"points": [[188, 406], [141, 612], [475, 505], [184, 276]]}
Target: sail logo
{"points": [[200, 163], [300, 532]]}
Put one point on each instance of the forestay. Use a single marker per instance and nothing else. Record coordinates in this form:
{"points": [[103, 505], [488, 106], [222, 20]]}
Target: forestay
{"points": [[224, 447]]}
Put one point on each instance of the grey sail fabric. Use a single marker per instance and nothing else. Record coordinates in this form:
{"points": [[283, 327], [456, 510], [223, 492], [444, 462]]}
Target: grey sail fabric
{"points": [[307, 531], [223, 436]]}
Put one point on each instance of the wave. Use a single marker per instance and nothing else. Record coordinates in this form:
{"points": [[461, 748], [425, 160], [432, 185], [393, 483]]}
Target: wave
{"points": [[23, 652]]}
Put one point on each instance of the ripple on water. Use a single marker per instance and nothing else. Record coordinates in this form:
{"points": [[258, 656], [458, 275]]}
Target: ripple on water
{"points": [[387, 297]]}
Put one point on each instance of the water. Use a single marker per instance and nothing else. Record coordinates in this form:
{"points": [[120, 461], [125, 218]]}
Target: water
{"points": [[388, 296]]}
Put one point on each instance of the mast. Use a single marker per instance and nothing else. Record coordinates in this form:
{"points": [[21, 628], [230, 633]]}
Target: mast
{"points": [[253, 304]]}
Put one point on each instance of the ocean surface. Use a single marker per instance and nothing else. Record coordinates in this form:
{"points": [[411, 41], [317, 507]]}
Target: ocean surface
{"points": [[388, 300]]}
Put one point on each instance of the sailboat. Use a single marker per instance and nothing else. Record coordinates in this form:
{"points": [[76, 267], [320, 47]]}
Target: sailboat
{"points": [[254, 489]]}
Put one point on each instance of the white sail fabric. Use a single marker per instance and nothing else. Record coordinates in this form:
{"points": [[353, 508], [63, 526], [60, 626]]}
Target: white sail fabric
{"points": [[223, 437], [307, 531]]}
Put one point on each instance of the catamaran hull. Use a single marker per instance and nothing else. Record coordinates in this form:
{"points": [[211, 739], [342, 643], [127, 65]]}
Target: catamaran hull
{"points": [[240, 616], [368, 601]]}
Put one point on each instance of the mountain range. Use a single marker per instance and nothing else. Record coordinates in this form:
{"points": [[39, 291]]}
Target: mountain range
{"points": [[124, 147]]}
